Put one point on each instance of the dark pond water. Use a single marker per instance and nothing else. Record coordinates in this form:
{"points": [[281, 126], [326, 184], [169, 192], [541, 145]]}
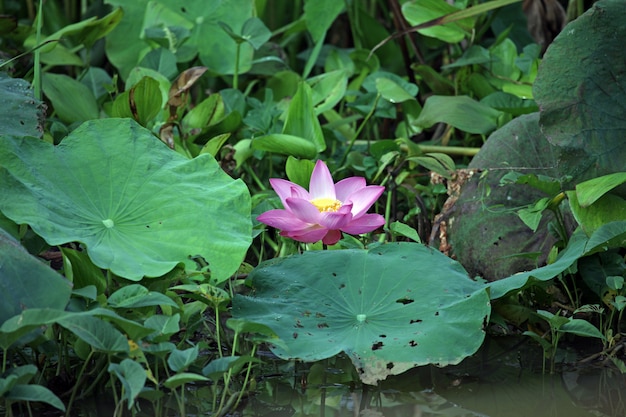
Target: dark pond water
{"points": [[504, 379]]}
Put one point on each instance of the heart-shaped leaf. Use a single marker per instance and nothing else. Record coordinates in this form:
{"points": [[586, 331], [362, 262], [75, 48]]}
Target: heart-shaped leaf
{"points": [[581, 91], [390, 308], [138, 207]]}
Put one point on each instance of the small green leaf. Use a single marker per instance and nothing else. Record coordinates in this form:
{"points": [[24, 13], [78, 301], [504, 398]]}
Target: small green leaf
{"points": [[615, 282], [214, 145], [590, 191], [218, 367], [36, 393], [574, 250], [299, 170], [255, 32], [209, 112], [581, 327], [391, 91], [328, 89], [319, 15], [285, 145], [132, 376], [301, 119], [606, 209], [71, 100], [99, 334], [421, 11], [531, 216], [179, 360], [163, 326], [183, 378], [135, 296], [405, 230], [84, 272], [145, 100], [461, 112]]}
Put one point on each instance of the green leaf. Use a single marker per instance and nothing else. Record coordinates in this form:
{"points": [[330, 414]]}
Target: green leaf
{"points": [[574, 250], [84, 272], [163, 326], [99, 334], [127, 43], [71, 100], [299, 171], [421, 11], [216, 369], [285, 145], [590, 191], [161, 60], [255, 32], [461, 112], [132, 376], [97, 80], [137, 74], [36, 393], [182, 378], [214, 145], [581, 327], [405, 230], [319, 15], [531, 216], [301, 119], [391, 91], [22, 114], [26, 282], [328, 89], [369, 304], [609, 235], [17, 326], [145, 100], [580, 90], [135, 296], [139, 208], [209, 112], [179, 360], [608, 208]]}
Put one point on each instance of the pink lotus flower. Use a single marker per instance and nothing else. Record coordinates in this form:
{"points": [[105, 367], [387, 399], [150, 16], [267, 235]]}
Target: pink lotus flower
{"points": [[326, 210]]}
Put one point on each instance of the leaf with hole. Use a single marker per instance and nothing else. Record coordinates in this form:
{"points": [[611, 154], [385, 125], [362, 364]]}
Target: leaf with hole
{"points": [[390, 308]]}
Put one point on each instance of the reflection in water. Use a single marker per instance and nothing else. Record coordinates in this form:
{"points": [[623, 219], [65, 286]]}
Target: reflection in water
{"points": [[506, 381]]}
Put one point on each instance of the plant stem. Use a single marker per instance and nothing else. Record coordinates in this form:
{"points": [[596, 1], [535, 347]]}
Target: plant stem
{"points": [[236, 74], [359, 130], [37, 53], [246, 378], [78, 378]]}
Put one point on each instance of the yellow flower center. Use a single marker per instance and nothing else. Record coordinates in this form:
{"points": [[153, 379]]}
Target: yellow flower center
{"points": [[326, 204]]}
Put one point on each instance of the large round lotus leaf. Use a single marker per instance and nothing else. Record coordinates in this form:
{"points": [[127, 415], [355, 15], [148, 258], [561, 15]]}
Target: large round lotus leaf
{"points": [[138, 207], [26, 282], [581, 92], [391, 308], [487, 236]]}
